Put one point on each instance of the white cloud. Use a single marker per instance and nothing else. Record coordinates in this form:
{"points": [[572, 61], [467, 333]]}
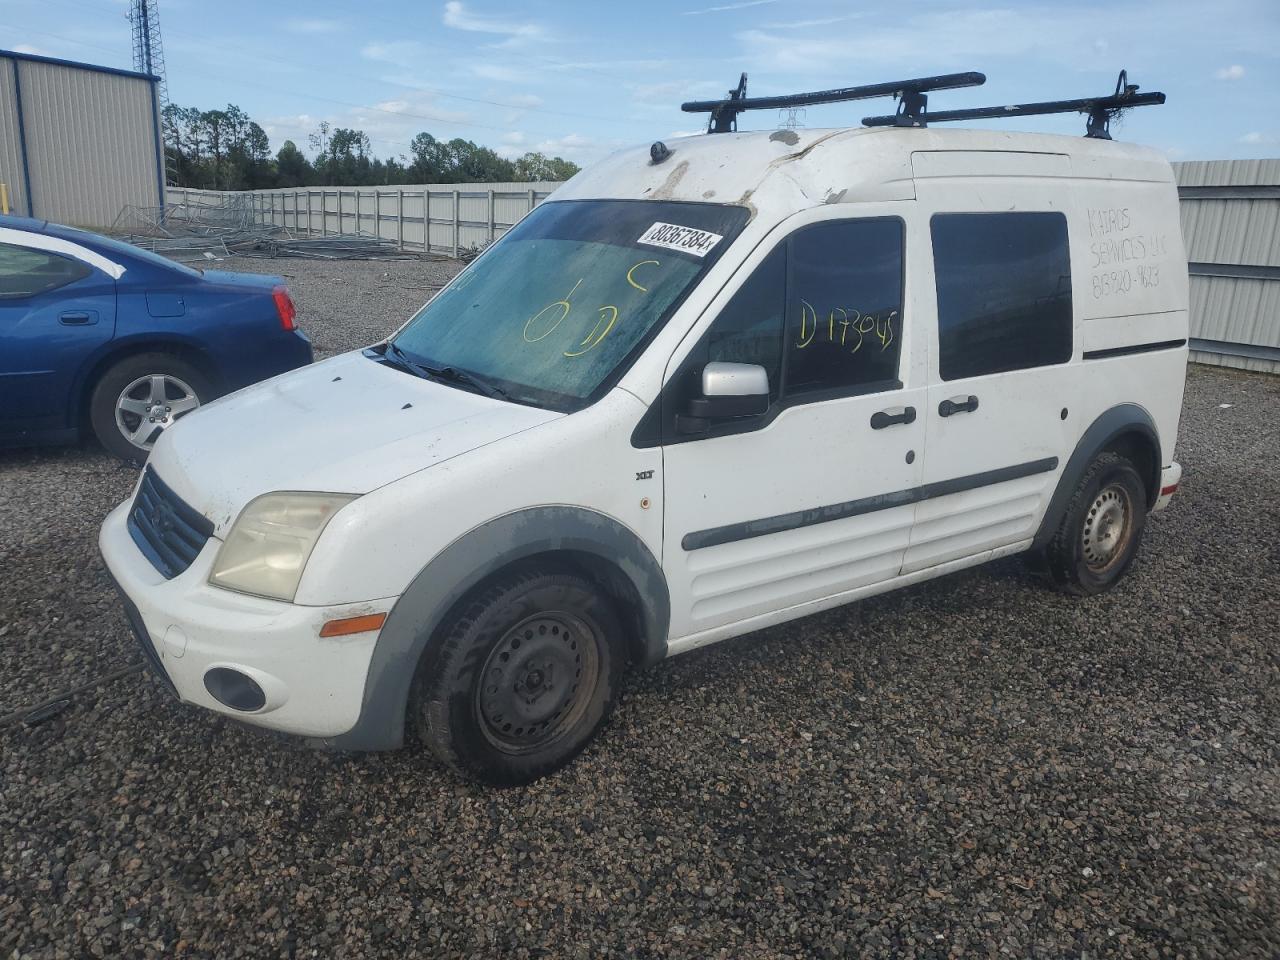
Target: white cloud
{"points": [[561, 146], [1233, 72], [312, 25], [1256, 137], [499, 73], [457, 16], [413, 108], [729, 6], [28, 48], [389, 124], [1061, 35], [670, 93], [513, 145], [804, 24], [402, 53], [573, 146], [523, 100]]}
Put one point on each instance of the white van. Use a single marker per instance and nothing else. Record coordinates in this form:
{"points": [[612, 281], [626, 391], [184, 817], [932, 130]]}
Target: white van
{"points": [[703, 390]]}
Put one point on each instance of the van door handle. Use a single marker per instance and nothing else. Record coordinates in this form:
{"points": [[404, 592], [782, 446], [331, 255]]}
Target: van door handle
{"points": [[887, 418], [958, 405], [78, 318]]}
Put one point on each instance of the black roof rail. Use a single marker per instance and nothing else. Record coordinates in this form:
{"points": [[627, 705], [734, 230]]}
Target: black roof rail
{"points": [[1099, 109], [911, 94]]}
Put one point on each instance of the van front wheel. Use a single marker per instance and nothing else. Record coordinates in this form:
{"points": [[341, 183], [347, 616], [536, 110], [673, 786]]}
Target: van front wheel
{"points": [[1100, 530], [520, 681]]}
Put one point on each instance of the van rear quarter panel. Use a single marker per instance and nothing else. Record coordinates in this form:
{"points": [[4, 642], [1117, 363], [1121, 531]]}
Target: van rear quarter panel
{"points": [[1129, 286]]}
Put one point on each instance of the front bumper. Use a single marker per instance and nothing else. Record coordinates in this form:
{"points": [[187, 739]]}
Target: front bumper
{"points": [[313, 686], [1170, 477]]}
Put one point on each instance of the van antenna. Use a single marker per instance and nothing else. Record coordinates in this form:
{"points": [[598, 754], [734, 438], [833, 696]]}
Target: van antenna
{"points": [[910, 94], [1100, 110]]}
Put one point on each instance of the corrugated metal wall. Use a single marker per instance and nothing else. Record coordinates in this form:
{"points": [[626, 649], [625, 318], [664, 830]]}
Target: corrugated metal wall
{"points": [[1231, 226], [10, 145], [91, 140]]}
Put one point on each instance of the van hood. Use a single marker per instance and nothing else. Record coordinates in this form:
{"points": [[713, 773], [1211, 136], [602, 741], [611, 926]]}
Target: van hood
{"points": [[348, 425]]}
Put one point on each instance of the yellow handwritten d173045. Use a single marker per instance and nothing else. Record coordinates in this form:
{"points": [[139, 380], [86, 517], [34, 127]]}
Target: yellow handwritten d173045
{"points": [[884, 329], [561, 305], [806, 332]]}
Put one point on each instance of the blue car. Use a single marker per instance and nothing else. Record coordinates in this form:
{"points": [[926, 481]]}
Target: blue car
{"points": [[100, 335]]}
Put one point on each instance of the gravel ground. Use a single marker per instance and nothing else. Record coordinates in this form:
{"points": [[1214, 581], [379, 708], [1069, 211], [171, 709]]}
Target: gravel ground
{"points": [[971, 767]]}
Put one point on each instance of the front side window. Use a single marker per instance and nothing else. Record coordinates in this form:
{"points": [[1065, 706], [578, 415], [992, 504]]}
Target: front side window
{"points": [[844, 306], [748, 330], [554, 312], [25, 272], [822, 313], [1004, 292]]}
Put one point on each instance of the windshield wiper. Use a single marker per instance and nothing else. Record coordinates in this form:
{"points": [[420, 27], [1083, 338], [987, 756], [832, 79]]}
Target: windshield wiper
{"points": [[447, 374]]}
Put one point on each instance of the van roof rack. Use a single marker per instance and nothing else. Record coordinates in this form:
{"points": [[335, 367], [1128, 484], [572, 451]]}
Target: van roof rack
{"points": [[1100, 110], [910, 94]]}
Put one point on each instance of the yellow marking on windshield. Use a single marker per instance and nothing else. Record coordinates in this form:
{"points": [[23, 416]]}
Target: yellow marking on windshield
{"points": [[596, 332], [632, 281], [564, 306]]}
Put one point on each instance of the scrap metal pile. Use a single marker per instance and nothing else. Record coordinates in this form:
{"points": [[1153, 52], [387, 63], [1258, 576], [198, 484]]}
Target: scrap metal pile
{"points": [[231, 226]]}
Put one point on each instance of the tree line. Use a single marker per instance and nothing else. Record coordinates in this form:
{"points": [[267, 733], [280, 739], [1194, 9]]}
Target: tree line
{"points": [[226, 150]]}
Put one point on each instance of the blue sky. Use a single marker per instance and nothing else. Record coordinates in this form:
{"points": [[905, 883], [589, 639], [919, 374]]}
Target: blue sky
{"points": [[579, 79]]}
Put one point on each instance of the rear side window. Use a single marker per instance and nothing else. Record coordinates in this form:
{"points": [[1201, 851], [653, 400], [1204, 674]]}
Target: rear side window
{"points": [[1004, 291], [25, 272], [844, 306]]}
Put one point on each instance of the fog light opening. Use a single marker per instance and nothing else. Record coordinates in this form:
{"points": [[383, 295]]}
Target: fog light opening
{"points": [[234, 689]]}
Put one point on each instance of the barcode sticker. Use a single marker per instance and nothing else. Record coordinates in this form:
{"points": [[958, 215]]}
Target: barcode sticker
{"points": [[671, 236]]}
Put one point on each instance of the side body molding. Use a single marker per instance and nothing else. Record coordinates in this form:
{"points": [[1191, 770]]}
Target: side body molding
{"points": [[464, 564], [1121, 419]]}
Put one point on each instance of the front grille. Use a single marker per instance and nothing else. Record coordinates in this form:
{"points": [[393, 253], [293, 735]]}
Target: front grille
{"points": [[169, 532]]}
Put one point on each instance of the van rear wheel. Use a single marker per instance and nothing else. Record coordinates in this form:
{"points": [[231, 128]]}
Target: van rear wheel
{"points": [[1101, 529], [520, 682]]}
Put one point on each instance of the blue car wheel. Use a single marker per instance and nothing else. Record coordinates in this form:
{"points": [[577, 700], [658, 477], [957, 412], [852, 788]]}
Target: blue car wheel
{"points": [[141, 396]]}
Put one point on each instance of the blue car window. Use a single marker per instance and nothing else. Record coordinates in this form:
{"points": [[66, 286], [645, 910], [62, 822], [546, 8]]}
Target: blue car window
{"points": [[113, 249], [25, 272]]}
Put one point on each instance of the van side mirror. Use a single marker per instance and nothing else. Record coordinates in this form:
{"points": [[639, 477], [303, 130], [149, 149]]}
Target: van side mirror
{"points": [[730, 390]]}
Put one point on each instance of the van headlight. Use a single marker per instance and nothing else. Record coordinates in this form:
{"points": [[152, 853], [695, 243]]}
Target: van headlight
{"points": [[269, 544]]}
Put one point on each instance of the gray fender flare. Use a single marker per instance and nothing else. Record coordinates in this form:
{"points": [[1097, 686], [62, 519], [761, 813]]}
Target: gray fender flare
{"points": [[462, 565], [1121, 419]]}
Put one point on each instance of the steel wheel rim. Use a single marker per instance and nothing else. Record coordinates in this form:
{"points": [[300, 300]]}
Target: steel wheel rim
{"points": [[1108, 526], [151, 404], [537, 681]]}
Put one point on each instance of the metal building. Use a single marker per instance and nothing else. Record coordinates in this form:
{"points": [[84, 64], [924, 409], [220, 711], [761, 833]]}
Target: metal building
{"points": [[1231, 226], [78, 142]]}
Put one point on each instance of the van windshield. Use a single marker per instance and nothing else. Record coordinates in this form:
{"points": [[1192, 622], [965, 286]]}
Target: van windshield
{"points": [[555, 312]]}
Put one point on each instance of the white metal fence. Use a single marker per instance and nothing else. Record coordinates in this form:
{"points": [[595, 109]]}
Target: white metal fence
{"points": [[439, 218]]}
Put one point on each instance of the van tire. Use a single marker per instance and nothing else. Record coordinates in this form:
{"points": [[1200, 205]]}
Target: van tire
{"points": [[1101, 529], [181, 380], [521, 679]]}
